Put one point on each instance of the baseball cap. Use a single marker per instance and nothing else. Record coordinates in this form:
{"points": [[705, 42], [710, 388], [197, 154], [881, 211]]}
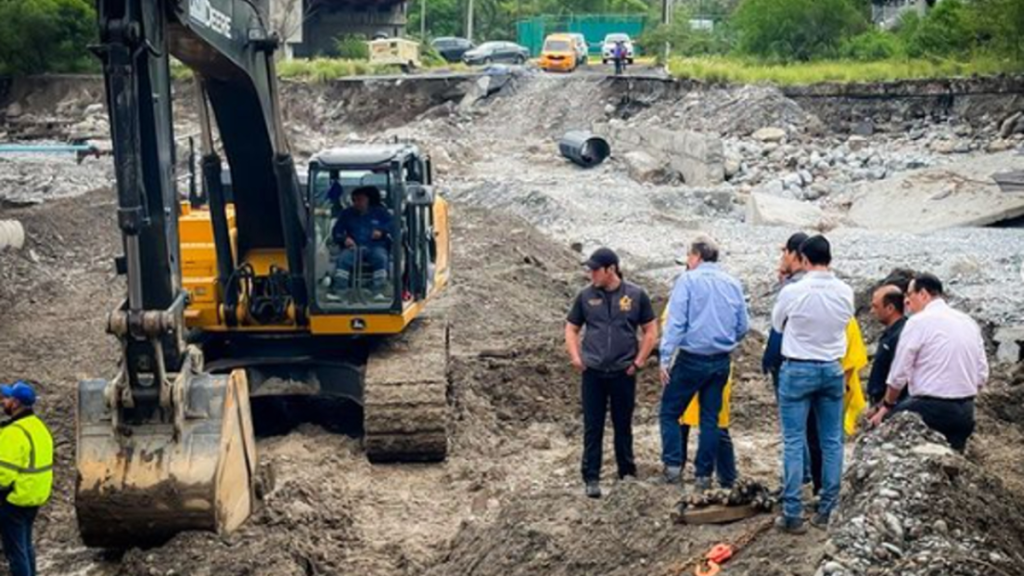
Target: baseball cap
{"points": [[602, 258], [21, 392]]}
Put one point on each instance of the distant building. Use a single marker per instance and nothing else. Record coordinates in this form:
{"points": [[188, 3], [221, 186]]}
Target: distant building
{"points": [[887, 13], [310, 27]]}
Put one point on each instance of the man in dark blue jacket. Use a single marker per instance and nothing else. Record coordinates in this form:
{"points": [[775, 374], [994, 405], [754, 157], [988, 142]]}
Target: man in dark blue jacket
{"points": [[363, 230]]}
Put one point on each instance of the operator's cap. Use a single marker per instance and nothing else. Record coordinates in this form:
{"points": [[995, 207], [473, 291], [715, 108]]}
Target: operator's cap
{"points": [[21, 392], [602, 258]]}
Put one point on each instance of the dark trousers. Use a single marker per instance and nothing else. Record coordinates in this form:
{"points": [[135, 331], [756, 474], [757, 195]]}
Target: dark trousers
{"points": [[725, 457], [16, 533], [704, 377], [620, 65], [600, 389], [953, 418]]}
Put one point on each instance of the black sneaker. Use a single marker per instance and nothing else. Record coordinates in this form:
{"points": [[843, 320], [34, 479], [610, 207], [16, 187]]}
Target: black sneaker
{"points": [[820, 521], [790, 526], [593, 489]]}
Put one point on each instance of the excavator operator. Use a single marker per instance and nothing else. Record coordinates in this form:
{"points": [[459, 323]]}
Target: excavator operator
{"points": [[363, 231]]}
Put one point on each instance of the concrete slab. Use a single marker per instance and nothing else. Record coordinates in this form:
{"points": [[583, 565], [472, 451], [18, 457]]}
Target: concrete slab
{"points": [[767, 210], [1010, 342], [959, 194]]}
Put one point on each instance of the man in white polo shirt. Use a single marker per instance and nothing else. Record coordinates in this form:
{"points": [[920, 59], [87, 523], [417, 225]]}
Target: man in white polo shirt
{"points": [[941, 358], [812, 315]]}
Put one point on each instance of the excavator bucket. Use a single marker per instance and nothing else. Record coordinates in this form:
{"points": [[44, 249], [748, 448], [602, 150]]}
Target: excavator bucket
{"points": [[148, 479]]}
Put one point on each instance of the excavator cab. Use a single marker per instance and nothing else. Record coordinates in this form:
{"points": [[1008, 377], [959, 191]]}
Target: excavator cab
{"points": [[374, 229]]}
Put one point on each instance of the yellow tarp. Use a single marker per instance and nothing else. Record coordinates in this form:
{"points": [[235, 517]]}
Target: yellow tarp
{"points": [[856, 358]]}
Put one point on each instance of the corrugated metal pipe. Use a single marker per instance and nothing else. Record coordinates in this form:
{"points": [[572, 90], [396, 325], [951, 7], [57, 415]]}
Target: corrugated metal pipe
{"points": [[12, 234], [584, 148]]}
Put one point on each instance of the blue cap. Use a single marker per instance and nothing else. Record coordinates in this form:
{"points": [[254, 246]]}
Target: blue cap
{"points": [[21, 392]]}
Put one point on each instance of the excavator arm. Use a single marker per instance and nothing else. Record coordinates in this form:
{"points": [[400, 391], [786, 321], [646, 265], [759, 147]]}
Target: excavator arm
{"points": [[166, 446]]}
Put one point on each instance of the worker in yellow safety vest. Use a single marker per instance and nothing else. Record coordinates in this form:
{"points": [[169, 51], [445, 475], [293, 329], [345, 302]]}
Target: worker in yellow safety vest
{"points": [[26, 475]]}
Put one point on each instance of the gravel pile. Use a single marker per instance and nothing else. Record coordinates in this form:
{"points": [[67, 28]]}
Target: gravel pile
{"points": [[912, 506]]}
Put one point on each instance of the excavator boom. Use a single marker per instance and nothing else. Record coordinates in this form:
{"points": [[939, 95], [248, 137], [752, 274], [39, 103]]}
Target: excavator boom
{"points": [[166, 446], [249, 295]]}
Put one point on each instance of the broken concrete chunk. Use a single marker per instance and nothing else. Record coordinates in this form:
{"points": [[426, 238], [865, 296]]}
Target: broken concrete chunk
{"points": [[643, 167], [769, 134], [1010, 342], [856, 143], [1000, 145], [766, 210], [1010, 125], [962, 193]]}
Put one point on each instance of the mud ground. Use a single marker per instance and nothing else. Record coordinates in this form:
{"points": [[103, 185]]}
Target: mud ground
{"points": [[508, 500]]}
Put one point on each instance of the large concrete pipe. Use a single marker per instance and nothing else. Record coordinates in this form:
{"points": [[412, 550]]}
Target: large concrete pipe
{"points": [[12, 235], [584, 148]]}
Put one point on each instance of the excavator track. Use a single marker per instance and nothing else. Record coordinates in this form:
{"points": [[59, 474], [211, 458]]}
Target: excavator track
{"points": [[406, 407]]}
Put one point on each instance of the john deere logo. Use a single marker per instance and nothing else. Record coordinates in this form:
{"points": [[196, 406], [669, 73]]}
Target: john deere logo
{"points": [[358, 324]]}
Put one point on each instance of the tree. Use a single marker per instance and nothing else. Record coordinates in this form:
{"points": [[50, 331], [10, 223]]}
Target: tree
{"points": [[39, 36], [947, 30], [796, 29]]}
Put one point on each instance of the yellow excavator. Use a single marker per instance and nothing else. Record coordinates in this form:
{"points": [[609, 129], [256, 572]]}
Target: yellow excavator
{"points": [[248, 293]]}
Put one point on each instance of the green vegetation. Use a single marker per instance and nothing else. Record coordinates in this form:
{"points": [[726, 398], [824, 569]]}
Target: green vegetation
{"points": [[321, 69], [351, 47], [752, 71], [46, 36], [782, 30]]}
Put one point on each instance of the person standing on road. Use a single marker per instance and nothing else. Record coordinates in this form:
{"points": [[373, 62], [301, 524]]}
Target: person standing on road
{"points": [[26, 475], [707, 319], [941, 360], [601, 339], [812, 316], [619, 56], [887, 307]]}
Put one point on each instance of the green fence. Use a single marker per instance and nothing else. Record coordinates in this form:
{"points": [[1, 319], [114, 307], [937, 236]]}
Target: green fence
{"points": [[594, 27]]}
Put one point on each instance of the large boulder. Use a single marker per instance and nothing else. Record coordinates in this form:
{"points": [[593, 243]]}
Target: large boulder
{"points": [[643, 167], [767, 210]]}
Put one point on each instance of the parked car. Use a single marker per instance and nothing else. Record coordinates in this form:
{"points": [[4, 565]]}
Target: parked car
{"points": [[559, 53], [451, 48], [582, 48], [489, 52], [608, 48]]}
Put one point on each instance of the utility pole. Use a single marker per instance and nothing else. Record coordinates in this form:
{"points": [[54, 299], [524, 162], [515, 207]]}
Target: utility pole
{"points": [[423, 20], [469, 21], [666, 19]]}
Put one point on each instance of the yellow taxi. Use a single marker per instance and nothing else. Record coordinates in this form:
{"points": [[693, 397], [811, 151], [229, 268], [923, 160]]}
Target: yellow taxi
{"points": [[559, 53]]}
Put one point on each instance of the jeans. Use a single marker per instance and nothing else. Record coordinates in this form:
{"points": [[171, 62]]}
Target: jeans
{"points": [[725, 458], [375, 256], [803, 385], [812, 455], [600, 389], [704, 377], [16, 534], [954, 419]]}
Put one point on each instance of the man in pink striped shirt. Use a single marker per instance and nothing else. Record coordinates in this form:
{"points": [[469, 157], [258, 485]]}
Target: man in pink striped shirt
{"points": [[941, 358]]}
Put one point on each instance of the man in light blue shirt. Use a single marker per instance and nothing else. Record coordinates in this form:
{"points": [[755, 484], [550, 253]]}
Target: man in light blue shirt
{"points": [[707, 318]]}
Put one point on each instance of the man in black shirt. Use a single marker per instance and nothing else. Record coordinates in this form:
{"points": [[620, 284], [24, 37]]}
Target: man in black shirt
{"points": [[887, 307], [608, 356]]}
